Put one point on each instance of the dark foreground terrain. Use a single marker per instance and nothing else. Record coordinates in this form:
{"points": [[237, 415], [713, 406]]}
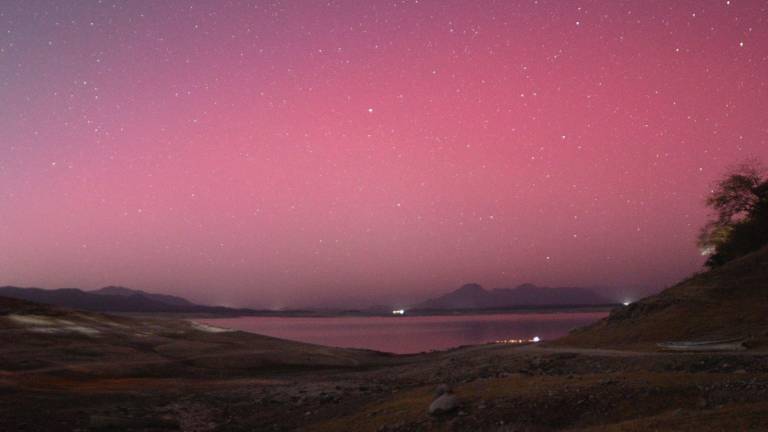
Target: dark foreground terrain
{"points": [[68, 370]]}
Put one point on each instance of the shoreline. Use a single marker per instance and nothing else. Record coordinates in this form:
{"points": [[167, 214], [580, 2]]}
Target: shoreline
{"points": [[364, 314]]}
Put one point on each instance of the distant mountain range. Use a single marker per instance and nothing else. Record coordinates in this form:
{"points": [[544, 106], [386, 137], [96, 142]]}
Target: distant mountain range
{"points": [[470, 296], [116, 299], [474, 296]]}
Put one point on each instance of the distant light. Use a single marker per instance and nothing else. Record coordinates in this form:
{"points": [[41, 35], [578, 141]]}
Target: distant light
{"points": [[518, 341], [398, 312], [627, 303], [370, 110]]}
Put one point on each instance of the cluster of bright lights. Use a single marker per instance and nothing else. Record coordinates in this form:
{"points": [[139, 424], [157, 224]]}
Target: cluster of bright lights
{"points": [[398, 312], [518, 341]]}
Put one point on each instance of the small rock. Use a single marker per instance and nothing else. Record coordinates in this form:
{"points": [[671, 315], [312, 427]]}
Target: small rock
{"points": [[446, 403]]}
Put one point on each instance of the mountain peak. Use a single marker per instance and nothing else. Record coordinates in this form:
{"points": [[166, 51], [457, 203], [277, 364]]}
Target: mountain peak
{"points": [[110, 298], [471, 288], [117, 290], [474, 296]]}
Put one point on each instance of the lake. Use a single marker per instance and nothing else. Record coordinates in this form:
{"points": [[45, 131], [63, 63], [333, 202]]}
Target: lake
{"points": [[404, 334]]}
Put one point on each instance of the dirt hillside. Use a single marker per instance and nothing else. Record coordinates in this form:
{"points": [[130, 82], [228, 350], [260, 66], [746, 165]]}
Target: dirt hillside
{"points": [[728, 302]]}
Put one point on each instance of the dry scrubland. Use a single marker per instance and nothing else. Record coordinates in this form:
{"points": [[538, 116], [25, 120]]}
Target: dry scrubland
{"points": [[68, 370], [728, 302]]}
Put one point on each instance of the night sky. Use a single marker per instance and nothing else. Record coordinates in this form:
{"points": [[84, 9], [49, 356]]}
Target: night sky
{"points": [[358, 152]]}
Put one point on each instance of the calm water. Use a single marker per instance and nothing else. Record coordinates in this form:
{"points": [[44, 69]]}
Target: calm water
{"points": [[412, 334]]}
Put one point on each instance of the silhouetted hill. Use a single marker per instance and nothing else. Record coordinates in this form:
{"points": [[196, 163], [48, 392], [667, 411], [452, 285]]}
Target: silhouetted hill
{"points": [[127, 292], [473, 296], [115, 299], [728, 302]]}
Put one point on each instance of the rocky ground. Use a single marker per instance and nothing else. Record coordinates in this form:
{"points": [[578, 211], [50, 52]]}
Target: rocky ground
{"points": [[494, 387], [76, 371], [68, 370]]}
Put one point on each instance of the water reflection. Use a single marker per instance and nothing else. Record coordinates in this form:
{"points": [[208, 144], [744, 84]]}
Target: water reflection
{"points": [[415, 333]]}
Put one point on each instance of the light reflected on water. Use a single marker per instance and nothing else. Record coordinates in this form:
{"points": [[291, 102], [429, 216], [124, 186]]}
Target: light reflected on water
{"points": [[411, 334]]}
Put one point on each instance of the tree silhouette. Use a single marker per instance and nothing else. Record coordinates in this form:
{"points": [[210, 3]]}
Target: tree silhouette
{"points": [[740, 223]]}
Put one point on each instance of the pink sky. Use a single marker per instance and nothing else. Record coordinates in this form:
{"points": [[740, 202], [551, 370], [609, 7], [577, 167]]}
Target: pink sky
{"points": [[350, 153]]}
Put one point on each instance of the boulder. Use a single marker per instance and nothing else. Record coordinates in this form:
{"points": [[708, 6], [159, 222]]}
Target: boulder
{"points": [[445, 403]]}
